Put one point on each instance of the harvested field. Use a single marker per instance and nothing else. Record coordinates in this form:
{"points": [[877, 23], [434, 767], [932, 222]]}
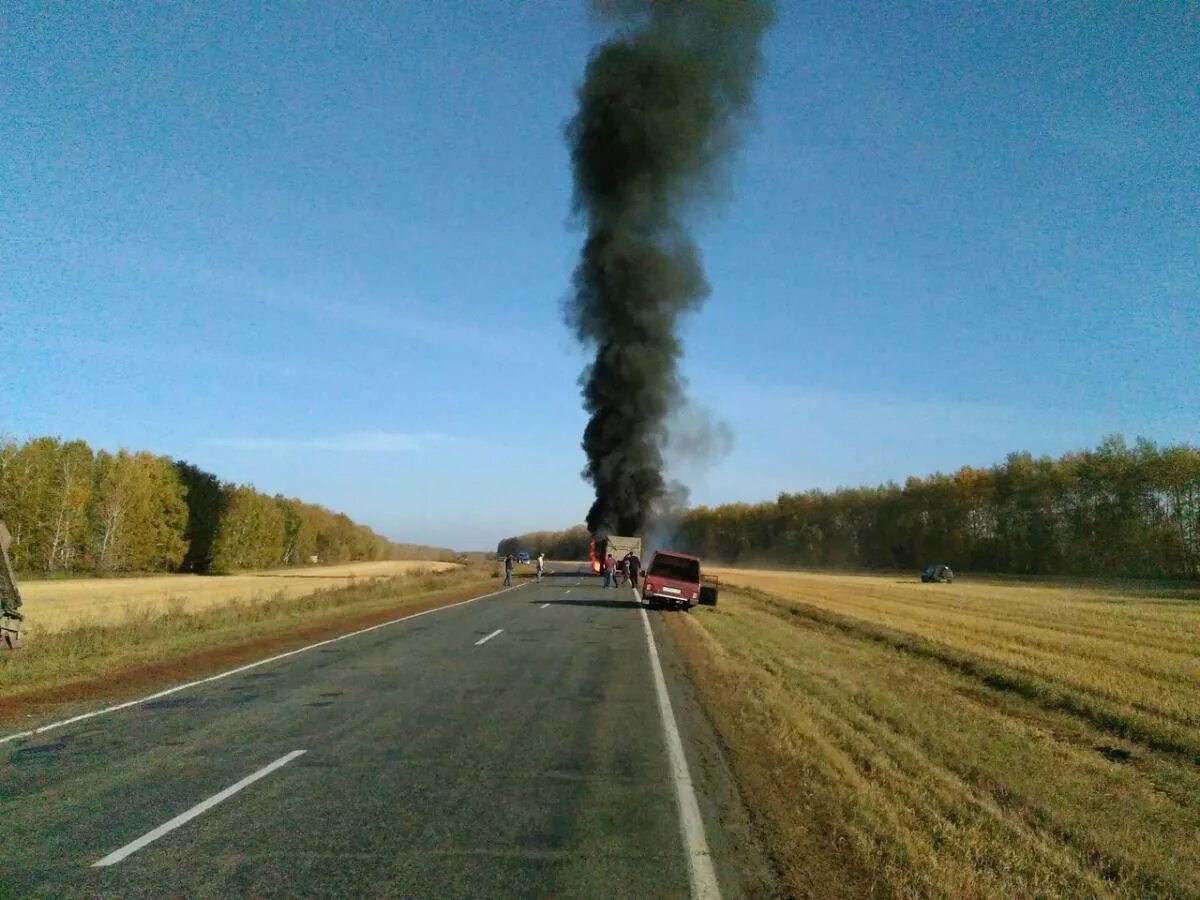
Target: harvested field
{"points": [[975, 739], [54, 605]]}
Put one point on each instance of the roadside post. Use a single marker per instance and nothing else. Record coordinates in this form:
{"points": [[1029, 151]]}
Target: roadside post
{"points": [[10, 598]]}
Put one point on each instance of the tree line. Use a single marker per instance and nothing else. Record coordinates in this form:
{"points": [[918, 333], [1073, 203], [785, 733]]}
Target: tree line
{"points": [[1115, 510], [72, 509], [570, 544]]}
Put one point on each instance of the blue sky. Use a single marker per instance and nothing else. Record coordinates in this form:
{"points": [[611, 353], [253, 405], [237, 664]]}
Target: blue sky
{"points": [[322, 248]]}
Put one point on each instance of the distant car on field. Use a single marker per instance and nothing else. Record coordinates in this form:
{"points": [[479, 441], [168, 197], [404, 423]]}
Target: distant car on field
{"points": [[523, 556], [940, 573]]}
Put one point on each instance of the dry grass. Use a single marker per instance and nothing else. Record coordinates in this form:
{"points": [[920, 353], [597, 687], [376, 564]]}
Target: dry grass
{"points": [[973, 740], [57, 605]]}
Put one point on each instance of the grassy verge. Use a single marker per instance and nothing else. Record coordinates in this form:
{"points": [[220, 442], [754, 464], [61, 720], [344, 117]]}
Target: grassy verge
{"points": [[86, 655], [883, 760]]}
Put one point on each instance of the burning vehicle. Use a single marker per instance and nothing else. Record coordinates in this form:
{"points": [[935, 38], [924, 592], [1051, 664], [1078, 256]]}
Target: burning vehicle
{"points": [[619, 546]]}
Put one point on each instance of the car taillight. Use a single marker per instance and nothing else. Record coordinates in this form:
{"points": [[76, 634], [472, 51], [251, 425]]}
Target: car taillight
{"points": [[651, 587]]}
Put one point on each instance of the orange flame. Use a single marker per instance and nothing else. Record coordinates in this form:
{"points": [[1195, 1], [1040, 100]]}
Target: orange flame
{"points": [[592, 556]]}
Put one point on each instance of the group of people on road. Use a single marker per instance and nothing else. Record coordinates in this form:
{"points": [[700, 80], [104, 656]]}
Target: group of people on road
{"points": [[510, 562], [616, 572], [627, 569]]}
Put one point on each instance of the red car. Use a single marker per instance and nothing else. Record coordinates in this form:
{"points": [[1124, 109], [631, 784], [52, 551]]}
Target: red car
{"points": [[674, 581]]}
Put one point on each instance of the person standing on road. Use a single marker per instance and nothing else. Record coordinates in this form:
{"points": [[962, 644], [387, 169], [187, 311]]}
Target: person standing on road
{"points": [[541, 564], [635, 566], [610, 570], [508, 567]]}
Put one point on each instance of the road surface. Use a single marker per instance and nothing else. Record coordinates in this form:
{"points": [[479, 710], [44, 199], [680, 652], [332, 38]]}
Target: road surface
{"points": [[511, 746]]}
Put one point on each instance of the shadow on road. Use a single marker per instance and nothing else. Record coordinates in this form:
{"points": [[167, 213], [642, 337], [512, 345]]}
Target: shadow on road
{"points": [[604, 604], [550, 584]]}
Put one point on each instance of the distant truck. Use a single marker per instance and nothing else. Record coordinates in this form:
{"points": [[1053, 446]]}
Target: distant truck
{"points": [[674, 581]]}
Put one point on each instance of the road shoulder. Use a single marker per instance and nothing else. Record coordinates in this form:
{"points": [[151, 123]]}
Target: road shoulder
{"points": [[742, 868]]}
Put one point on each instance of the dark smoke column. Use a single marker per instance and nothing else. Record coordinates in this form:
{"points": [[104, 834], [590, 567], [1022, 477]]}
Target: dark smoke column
{"points": [[657, 113]]}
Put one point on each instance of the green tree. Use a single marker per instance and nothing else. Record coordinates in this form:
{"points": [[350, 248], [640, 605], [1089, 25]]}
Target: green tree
{"points": [[251, 533], [139, 517], [70, 496], [30, 471]]}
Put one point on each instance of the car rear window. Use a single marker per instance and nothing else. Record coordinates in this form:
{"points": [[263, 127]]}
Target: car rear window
{"points": [[676, 568]]}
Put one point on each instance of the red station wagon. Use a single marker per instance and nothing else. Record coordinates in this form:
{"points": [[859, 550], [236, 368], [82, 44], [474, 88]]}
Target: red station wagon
{"points": [[673, 581]]}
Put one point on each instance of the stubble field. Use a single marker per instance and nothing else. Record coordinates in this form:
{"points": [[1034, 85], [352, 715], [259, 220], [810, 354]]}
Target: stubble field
{"points": [[55, 605], [969, 740]]}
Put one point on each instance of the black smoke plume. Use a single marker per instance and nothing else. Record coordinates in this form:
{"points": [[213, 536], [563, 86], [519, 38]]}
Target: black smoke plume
{"points": [[658, 111]]}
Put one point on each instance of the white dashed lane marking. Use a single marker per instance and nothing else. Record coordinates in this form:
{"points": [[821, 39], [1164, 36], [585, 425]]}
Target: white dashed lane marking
{"points": [[151, 836]]}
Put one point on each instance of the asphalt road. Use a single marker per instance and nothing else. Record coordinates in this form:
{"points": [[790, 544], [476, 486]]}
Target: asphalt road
{"points": [[513, 746]]}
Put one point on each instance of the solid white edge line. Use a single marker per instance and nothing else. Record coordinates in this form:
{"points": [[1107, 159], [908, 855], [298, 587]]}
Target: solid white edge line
{"points": [[704, 878], [245, 668], [151, 836], [489, 637]]}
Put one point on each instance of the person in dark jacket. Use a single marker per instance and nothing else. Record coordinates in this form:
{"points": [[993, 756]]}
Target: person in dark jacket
{"points": [[508, 567], [635, 568]]}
